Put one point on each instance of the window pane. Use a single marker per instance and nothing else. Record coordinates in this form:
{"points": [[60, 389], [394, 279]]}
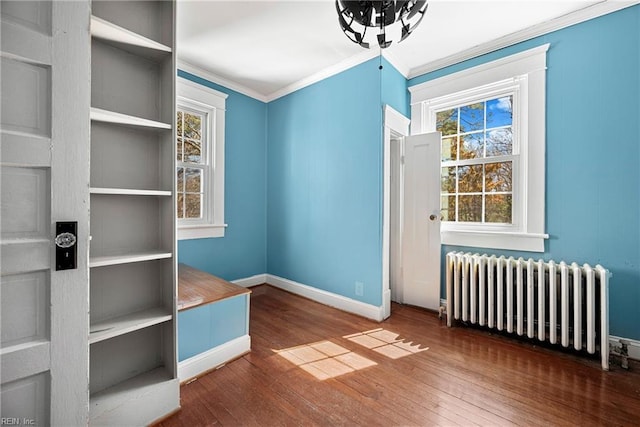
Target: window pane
{"points": [[448, 208], [180, 180], [498, 177], [448, 180], [180, 205], [472, 117], [193, 204], [499, 142], [193, 180], [498, 208], [450, 148], [192, 151], [447, 121], [472, 145], [179, 124], [470, 208], [500, 112], [179, 149], [470, 179], [192, 126]]}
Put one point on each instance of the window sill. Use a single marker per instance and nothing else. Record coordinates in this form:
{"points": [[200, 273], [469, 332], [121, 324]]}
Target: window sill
{"points": [[529, 242], [205, 231]]}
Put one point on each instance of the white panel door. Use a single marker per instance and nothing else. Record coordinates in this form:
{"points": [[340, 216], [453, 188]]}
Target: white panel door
{"points": [[421, 236], [44, 158]]}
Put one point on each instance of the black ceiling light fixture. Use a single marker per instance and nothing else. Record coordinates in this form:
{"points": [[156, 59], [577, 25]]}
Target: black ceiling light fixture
{"points": [[359, 19]]}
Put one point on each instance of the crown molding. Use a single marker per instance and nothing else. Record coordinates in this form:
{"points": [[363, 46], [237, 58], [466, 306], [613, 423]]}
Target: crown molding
{"points": [[590, 12], [341, 66], [214, 78]]}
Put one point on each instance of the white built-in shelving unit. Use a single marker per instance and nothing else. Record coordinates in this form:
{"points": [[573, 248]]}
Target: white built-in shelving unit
{"points": [[133, 367]]}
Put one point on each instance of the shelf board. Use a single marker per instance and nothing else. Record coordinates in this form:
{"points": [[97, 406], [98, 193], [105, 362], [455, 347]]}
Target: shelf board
{"points": [[128, 192], [126, 39], [121, 325], [100, 115], [103, 261], [137, 400]]}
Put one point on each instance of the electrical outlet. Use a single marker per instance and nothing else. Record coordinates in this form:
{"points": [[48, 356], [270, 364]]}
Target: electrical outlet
{"points": [[359, 289]]}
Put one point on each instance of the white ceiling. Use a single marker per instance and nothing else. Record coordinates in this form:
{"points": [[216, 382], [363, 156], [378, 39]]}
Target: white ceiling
{"points": [[267, 48]]}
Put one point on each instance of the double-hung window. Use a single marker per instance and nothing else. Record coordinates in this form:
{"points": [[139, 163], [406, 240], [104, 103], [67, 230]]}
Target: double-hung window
{"points": [[200, 161], [492, 121]]}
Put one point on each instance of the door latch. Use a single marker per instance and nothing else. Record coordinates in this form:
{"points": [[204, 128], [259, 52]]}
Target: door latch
{"points": [[66, 245]]}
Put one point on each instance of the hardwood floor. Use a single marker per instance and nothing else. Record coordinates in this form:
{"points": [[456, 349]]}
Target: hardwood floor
{"points": [[312, 365]]}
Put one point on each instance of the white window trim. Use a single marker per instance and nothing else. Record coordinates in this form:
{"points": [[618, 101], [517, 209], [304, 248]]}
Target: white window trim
{"points": [[204, 98], [525, 74]]}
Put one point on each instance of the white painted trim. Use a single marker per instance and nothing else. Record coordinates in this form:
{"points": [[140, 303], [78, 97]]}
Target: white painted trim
{"points": [[524, 75], [325, 73], [394, 122], [214, 78], [210, 96], [328, 298], [530, 242], [341, 66], [248, 282], [213, 102], [213, 358], [634, 346], [585, 14], [490, 72], [201, 231], [386, 303]]}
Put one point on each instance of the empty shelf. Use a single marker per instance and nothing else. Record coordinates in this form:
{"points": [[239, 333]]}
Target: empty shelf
{"points": [[100, 115], [126, 39], [128, 192], [102, 261], [117, 326]]}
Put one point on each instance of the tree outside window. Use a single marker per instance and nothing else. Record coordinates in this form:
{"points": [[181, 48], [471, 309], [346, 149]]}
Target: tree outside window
{"points": [[191, 163], [477, 161]]}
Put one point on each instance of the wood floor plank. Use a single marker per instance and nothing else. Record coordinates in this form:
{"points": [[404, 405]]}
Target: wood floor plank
{"points": [[314, 365]]}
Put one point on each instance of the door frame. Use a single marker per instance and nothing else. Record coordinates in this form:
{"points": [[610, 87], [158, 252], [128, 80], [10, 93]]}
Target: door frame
{"points": [[398, 125]]}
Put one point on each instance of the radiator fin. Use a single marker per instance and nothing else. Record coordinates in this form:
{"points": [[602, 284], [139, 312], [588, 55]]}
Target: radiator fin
{"points": [[559, 303]]}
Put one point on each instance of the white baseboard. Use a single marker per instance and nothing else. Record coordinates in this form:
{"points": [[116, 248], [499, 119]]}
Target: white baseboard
{"points": [[386, 303], [634, 346], [328, 298], [211, 359], [247, 282]]}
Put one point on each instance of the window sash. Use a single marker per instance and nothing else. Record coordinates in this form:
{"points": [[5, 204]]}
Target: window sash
{"points": [[435, 107], [205, 164]]}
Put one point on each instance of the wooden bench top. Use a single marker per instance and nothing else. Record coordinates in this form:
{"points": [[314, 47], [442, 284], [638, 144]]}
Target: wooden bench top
{"points": [[197, 287]]}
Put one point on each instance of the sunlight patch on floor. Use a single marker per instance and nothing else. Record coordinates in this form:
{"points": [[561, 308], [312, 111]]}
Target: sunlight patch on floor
{"points": [[325, 359], [386, 343]]}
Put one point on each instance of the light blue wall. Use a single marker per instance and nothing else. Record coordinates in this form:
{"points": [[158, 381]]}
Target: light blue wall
{"points": [[242, 251], [593, 152], [318, 220], [324, 184], [394, 89], [208, 326]]}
